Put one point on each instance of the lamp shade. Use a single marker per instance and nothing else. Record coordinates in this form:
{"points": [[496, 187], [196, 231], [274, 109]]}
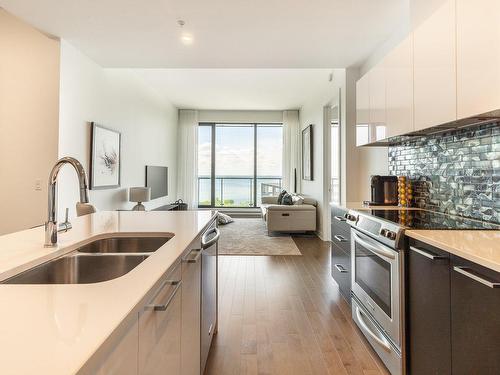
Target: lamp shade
{"points": [[139, 194]]}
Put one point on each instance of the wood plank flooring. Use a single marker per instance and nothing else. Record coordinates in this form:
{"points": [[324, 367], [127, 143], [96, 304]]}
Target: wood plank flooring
{"points": [[285, 315]]}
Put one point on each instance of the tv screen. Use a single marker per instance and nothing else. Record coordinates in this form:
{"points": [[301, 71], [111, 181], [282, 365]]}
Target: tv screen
{"points": [[157, 180]]}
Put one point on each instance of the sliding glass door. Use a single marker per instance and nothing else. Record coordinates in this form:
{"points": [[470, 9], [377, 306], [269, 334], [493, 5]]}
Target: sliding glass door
{"points": [[238, 163]]}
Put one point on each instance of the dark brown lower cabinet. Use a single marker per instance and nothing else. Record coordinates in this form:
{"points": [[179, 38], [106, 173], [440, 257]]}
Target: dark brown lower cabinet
{"points": [[475, 319], [428, 315], [341, 271]]}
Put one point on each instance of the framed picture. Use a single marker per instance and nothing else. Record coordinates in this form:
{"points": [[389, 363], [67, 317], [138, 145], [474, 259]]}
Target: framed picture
{"points": [[104, 158], [307, 153]]}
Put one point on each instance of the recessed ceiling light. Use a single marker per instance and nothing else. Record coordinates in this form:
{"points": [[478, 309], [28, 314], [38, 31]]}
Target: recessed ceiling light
{"points": [[186, 38]]}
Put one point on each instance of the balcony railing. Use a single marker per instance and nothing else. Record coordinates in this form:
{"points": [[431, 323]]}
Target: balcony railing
{"points": [[236, 191]]}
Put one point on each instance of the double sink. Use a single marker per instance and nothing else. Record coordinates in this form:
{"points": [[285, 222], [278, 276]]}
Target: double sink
{"points": [[100, 260]]}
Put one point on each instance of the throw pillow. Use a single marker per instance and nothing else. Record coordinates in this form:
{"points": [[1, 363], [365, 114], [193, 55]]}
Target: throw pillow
{"points": [[287, 200], [224, 219], [297, 199], [280, 197]]}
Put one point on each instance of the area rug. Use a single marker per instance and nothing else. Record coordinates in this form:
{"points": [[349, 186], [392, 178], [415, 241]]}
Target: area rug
{"points": [[249, 237]]}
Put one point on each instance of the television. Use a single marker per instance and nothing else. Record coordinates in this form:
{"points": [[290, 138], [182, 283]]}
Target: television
{"points": [[157, 180]]}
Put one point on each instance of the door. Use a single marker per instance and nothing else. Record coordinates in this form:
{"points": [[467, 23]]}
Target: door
{"points": [[475, 318], [208, 291], [160, 329], [435, 68], [191, 318], [428, 294], [376, 281]]}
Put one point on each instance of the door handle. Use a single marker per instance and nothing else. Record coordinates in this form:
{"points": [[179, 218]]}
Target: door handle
{"points": [[427, 254], [340, 268], [467, 272]]}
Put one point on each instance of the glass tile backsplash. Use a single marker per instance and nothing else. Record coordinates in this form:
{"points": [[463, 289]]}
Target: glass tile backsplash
{"points": [[455, 172]]}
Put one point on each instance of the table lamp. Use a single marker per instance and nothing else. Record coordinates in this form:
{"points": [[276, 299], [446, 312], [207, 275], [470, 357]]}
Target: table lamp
{"points": [[139, 195]]}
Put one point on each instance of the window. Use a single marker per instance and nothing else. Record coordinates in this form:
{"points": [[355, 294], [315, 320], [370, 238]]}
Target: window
{"points": [[238, 164]]}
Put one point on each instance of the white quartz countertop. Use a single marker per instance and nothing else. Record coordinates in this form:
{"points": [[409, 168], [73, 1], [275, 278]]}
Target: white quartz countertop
{"points": [[478, 246], [55, 329]]}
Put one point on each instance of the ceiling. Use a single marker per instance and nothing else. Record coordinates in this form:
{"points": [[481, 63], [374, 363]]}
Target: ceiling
{"points": [[243, 89], [226, 33]]}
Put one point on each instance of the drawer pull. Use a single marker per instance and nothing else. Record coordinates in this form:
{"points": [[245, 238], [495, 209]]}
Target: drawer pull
{"points": [[468, 272], [427, 254], [164, 306], [195, 259], [340, 238], [340, 268], [339, 218]]}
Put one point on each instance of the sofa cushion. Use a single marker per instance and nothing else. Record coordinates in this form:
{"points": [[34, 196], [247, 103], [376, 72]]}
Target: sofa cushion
{"points": [[281, 195], [295, 207], [287, 200]]}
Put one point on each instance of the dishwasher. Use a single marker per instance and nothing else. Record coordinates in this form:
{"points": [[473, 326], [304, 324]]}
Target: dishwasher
{"points": [[209, 303]]}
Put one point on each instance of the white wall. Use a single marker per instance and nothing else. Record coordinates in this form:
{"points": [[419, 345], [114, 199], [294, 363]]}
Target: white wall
{"points": [[358, 163], [118, 100], [29, 110], [240, 116]]}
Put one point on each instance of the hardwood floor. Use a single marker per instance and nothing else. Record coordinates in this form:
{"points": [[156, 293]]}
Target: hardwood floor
{"points": [[285, 315]]}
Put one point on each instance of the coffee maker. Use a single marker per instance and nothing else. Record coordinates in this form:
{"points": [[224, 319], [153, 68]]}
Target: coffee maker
{"points": [[384, 191]]}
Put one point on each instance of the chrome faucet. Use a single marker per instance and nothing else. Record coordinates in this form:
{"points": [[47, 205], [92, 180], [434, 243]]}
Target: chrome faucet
{"points": [[51, 227]]}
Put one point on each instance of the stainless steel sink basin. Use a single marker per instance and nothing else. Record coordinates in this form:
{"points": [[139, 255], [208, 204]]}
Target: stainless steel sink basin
{"points": [[79, 269], [124, 245]]}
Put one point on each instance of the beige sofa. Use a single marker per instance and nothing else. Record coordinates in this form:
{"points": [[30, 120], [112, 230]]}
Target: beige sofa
{"points": [[285, 218]]}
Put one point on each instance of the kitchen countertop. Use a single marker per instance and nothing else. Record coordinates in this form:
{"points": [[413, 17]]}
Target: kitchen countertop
{"points": [[55, 329], [478, 246]]}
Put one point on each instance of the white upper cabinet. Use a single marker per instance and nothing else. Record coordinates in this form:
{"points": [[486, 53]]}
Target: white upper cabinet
{"points": [[434, 53], [399, 88], [362, 111], [376, 83], [478, 57]]}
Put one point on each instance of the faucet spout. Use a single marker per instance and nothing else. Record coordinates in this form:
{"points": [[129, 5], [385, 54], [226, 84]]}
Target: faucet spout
{"points": [[51, 224]]}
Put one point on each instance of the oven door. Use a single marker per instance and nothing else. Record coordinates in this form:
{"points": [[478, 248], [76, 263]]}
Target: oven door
{"points": [[376, 276]]}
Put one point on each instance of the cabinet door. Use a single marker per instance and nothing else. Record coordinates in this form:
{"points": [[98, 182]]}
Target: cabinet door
{"points": [[399, 89], [478, 57], [376, 80], [428, 289], [435, 92], [191, 318], [475, 318], [363, 111], [122, 360], [160, 330]]}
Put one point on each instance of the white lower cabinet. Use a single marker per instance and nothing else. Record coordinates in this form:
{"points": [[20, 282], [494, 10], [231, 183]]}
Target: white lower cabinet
{"points": [[191, 307], [160, 329]]}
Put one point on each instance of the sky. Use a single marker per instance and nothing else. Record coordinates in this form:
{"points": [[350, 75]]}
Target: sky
{"points": [[235, 153]]}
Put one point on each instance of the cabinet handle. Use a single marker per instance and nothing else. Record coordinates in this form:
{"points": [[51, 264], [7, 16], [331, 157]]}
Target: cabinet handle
{"points": [[188, 259], [339, 218], [340, 268], [426, 254], [206, 244], [467, 272], [164, 306], [340, 238]]}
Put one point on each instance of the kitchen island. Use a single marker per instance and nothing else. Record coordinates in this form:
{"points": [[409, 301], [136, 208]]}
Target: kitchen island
{"points": [[75, 328]]}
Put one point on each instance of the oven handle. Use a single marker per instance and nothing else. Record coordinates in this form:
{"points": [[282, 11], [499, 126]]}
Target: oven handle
{"points": [[377, 249], [382, 341]]}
